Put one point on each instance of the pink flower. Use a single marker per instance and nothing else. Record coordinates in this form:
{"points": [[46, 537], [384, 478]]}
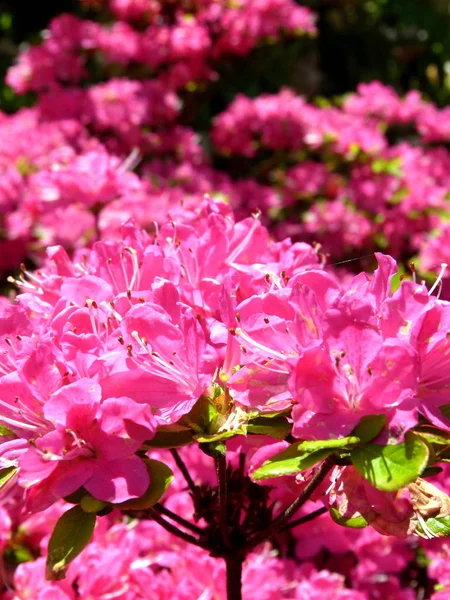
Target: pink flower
{"points": [[29, 582], [354, 373], [91, 444]]}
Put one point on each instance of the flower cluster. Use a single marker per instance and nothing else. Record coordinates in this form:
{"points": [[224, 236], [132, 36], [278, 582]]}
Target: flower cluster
{"points": [[355, 178], [180, 42], [192, 396], [345, 177], [105, 353]]}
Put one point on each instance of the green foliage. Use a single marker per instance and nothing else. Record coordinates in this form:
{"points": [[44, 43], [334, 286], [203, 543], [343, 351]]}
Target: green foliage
{"points": [[369, 427], [301, 456], [276, 427], [434, 527], [171, 436], [352, 522], [392, 467], [7, 474], [71, 535]]}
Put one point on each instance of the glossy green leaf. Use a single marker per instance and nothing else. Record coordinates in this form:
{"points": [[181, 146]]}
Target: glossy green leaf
{"points": [[434, 527], [433, 435], [206, 415], [6, 475], [77, 496], [289, 463], [214, 449], [313, 445], [71, 535], [300, 456], [390, 468], [353, 522], [269, 415], [276, 427], [91, 505], [431, 472], [369, 427], [160, 479], [171, 437], [217, 437]]}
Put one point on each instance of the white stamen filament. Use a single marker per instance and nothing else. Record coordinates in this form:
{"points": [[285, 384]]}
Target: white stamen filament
{"points": [[240, 247], [136, 273], [131, 161], [14, 423], [250, 341], [439, 278], [92, 318], [162, 368]]}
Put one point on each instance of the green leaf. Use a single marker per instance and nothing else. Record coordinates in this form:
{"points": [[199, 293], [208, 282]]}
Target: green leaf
{"points": [[289, 463], [160, 479], [71, 535], [433, 435], [431, 472], [7, 474], [276, 427], [390, 468], [269, 415], [313, 445], [353, 522], [203, 438], [300, 456], [91, 505], [214, 449], [434, 527], [369, 427], [171, 437], [77, 496], [208, 413]]}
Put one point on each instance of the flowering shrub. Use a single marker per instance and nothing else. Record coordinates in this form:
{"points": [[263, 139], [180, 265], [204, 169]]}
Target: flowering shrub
{"points": [[207, 334], [194, 402]]}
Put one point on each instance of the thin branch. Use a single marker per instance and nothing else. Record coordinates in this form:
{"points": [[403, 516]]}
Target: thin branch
{"points": [[305, 519], [180, 464], [221, 468], [161, 509], [282, 520], [175, 531]]}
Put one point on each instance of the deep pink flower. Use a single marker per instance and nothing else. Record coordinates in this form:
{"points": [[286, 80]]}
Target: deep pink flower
{"points": [[92, 445]]}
